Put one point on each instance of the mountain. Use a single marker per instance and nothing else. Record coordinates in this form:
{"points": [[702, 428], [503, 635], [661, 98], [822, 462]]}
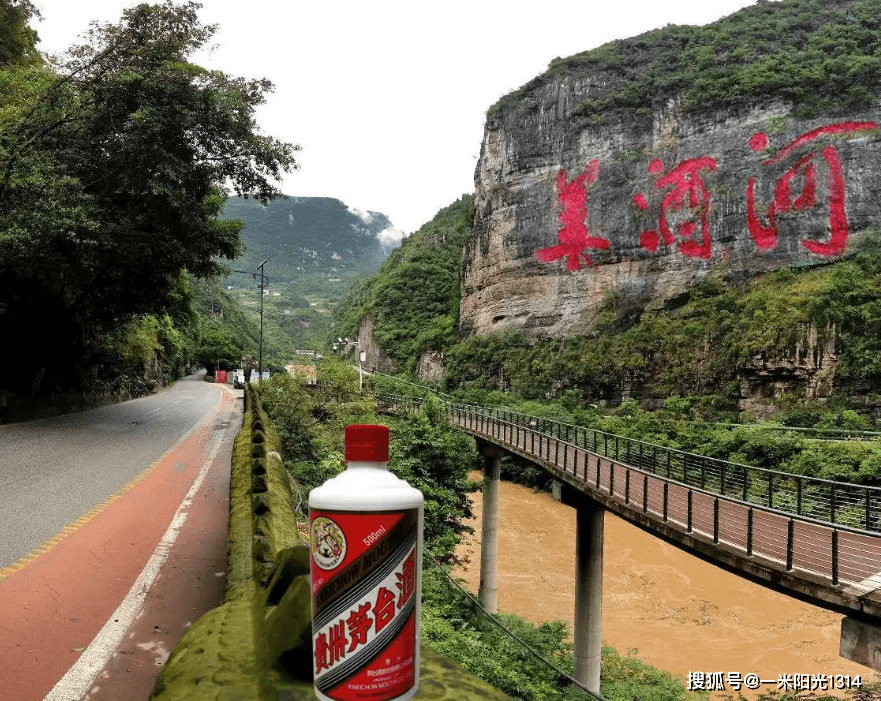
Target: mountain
{"points": [[686, 212], [640, 168], [407, 313], [310, 235], [315, 248]]}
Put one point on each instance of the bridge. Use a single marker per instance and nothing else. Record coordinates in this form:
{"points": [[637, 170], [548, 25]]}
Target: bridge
{"points": [[814, 539]]}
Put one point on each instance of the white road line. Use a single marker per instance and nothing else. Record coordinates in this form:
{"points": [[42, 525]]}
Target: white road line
{"points": [[81, 676]]}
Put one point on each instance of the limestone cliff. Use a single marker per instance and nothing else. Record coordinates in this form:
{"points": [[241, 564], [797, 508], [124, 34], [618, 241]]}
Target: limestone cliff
{"points": [[375, 358], [623, 247], [576, 205]]}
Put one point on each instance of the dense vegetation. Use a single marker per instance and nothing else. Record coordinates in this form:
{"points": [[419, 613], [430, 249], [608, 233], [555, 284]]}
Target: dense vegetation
{"points": [[437, 459], [429, 454], [113, 159], [202, 325], [315, 248], [820, 56], [703, 348], [414, 298]]}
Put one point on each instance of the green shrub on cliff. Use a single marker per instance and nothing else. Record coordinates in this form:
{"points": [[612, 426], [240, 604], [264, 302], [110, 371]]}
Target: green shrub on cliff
{"points": [[702, 348], [414, 298], [817, 55]]}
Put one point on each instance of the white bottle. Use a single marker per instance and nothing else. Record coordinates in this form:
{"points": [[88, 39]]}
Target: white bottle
{"points": [[366, 542]]}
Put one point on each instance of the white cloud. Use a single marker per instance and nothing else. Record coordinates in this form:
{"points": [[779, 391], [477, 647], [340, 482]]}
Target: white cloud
{"points": [[390, 236], [366, 217]]}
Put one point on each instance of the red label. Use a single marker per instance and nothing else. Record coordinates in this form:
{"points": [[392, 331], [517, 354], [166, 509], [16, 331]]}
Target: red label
{"points": [[365, 591]]}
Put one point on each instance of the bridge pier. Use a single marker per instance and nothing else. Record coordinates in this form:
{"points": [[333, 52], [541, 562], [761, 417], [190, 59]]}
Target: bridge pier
{"points": [[488, 592], [588, 632], [861, 642]]}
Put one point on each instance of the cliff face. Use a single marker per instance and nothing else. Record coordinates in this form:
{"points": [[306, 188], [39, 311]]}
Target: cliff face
{"points": [[572, 215], [375, 358]]}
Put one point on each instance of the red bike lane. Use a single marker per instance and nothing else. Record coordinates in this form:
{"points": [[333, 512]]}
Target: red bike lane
{"points": [[94, 612]]}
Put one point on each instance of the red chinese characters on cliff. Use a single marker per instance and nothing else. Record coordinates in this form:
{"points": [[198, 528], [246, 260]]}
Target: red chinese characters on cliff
{"points": [[685, 207], [689, 195], [803, 171], [574, 236]]}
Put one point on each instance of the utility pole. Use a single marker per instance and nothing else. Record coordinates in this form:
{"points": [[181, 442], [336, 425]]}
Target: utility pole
{"points": [[262, 282], [262, 288]]}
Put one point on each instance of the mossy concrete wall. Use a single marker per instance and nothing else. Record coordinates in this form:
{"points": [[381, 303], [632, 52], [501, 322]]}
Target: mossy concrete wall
{"points": [[256, 645]]}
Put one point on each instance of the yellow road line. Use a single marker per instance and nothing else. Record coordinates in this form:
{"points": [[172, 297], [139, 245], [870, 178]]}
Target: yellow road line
{"points": [[50, 543], [70, 528]]}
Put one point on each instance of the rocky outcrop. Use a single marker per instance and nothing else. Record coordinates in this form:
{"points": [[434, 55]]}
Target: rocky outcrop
{"points": [[570, 214], [430, 366], [810, 372], [375, 358], [657, 207]]}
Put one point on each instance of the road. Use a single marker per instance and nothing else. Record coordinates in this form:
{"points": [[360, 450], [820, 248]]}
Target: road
{"points": [[115, 538]]}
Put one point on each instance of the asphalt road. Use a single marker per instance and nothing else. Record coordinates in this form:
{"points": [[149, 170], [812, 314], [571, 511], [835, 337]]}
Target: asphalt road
{"points": [[52, 471], [115, 530]]}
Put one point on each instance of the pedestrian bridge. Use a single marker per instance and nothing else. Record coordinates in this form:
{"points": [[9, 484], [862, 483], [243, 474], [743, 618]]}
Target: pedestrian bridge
{"points": [[814, 539]]}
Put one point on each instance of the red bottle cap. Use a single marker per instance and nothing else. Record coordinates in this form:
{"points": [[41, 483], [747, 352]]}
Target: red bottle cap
{"points": [[367, 443]]}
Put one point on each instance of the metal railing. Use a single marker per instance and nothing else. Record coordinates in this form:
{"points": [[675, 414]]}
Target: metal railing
{"points": [[792, 522]]}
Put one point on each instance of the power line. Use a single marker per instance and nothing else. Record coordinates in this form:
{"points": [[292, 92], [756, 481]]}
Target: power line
{"points": [[495, 621]]}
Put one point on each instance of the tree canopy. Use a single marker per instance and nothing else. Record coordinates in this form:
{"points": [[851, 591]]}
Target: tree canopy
{"points": [[820, 56], [115, 162], [17, 39]]}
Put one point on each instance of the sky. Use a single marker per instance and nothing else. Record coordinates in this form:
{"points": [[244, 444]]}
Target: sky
{"points": [[388, 98]]}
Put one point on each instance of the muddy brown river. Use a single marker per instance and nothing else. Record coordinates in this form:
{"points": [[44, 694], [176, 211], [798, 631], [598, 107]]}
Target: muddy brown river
{"points": [[681, 614]]}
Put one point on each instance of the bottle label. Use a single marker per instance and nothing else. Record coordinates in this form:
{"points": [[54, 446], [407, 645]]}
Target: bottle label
{"points": [[365, 588]]}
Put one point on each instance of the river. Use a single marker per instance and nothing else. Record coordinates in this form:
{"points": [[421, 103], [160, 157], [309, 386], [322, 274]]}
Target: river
{"points": [[680, 613]]}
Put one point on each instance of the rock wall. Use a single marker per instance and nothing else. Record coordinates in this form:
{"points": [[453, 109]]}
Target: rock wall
{"points": [[430, 366], [571, 214], [811, 372], [375, 359]]}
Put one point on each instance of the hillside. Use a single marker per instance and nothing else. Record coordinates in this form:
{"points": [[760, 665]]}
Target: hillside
{"points": [[309, 235], [819, 56], [409, 309], [687, 212], [316, 248]]}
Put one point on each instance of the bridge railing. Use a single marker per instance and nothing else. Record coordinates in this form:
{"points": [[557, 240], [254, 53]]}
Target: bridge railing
{"points": [[677, 489], [825, 501]]}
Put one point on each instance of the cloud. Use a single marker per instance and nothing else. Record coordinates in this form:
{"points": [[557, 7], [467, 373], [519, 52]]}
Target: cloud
{"points": [[390, 236], [366, 217]]}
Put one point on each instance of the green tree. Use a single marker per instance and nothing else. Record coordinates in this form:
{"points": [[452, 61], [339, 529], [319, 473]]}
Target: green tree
{"points": [[289, 404], [111, 182], [338, 380], [436, 459], [17, 39]]}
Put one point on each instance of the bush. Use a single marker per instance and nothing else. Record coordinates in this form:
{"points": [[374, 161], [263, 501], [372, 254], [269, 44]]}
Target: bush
{"points": [[436, 459], [627, 679], [289, 404]]}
